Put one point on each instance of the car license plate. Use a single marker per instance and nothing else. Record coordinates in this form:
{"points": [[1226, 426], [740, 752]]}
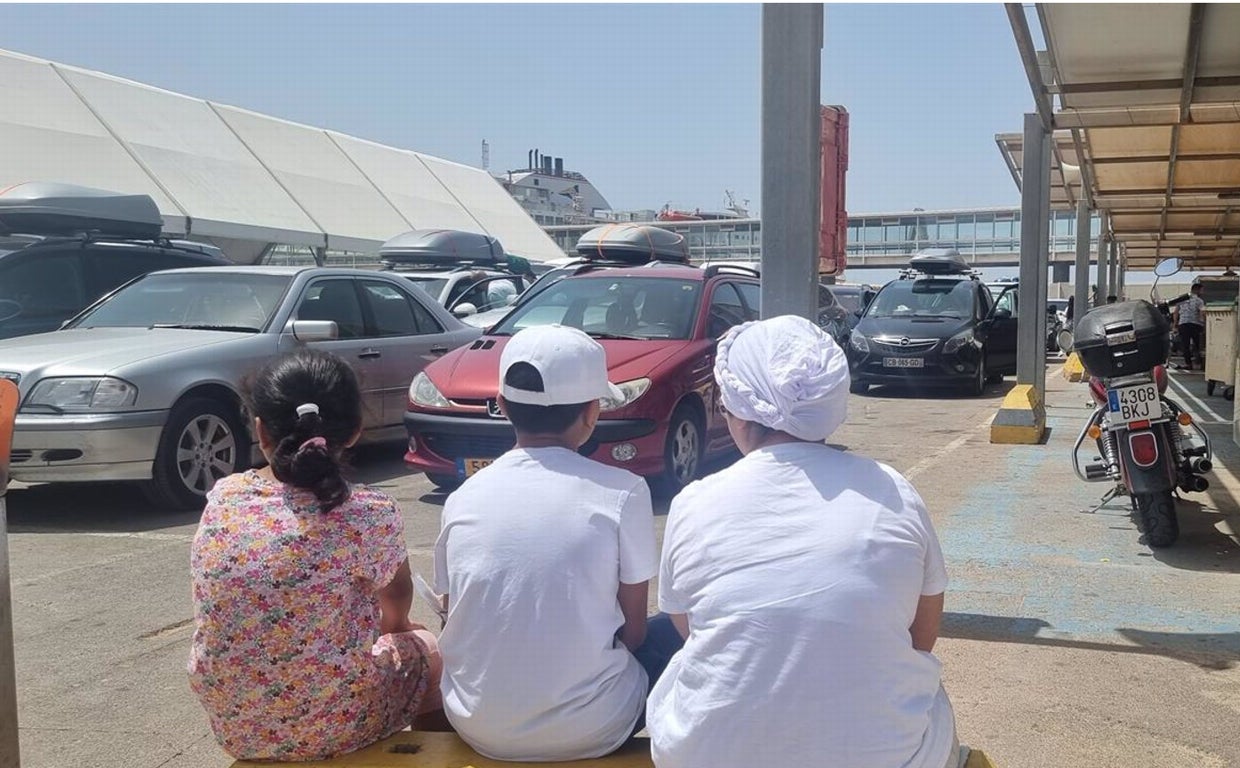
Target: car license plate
{"points": [[903, 362], [1136, 403], [468, 467]]}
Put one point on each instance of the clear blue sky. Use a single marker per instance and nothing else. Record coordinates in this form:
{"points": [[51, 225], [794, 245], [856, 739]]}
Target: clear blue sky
{"points": [[654, 103]]}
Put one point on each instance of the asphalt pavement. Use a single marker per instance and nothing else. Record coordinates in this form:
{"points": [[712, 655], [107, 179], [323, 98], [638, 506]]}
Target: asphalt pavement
{"points": [[1066, 640]]}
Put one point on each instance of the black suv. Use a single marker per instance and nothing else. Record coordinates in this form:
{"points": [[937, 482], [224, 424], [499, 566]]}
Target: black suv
{"points": [[62, 247], [936, 324]]}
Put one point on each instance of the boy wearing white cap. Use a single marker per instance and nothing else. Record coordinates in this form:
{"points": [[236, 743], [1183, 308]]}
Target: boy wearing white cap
{"points": [[545, 557]]}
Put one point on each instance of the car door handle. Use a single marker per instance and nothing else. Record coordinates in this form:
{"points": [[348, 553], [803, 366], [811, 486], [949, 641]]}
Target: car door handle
{"points": [[369, 354], [439, 350]]}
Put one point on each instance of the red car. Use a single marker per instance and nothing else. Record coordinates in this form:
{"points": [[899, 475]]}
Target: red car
{"points": [[659, 325]]}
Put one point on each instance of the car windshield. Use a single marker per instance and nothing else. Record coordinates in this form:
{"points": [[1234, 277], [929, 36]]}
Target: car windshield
{"points": [[432, 285], [208, 300], [612, 307], [924, 298], [849, 299]]}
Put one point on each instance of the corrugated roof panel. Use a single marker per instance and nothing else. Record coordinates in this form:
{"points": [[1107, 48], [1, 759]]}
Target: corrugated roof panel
{"points": [[321, 179], [420, 197], [1129, 142], [1131, 176], [495, 209], [198, 159], [48, 134]]}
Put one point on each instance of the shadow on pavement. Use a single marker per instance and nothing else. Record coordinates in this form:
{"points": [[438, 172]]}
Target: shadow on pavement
{"points": [[1202, 546], [1213, 651], [915, 391], [88, 507]]}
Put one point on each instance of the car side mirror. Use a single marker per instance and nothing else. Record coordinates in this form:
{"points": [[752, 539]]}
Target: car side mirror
{"points": [[314, 330], [464, 309], [1002, 313]]}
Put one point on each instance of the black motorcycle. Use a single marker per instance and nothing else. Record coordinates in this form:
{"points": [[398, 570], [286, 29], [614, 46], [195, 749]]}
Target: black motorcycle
{"points": [[1148, 445]]}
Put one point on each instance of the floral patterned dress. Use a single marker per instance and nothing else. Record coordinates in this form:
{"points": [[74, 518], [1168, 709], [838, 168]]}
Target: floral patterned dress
{"points": [[286, 654]]}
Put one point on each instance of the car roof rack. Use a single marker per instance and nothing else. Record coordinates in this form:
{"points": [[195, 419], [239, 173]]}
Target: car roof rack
{"points": [[633, 244], [53, 209], [938, 262]]}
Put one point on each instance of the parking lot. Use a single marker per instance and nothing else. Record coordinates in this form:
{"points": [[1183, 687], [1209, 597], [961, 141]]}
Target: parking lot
{"points": [[1066, 640]]}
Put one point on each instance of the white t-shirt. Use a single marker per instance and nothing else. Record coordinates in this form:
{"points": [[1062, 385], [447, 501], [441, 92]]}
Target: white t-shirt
{"points": [[800, 569], [532, 552]]}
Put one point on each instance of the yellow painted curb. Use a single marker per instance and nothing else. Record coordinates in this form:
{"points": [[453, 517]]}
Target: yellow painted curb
{"points": [[1074, 370], [978, 759], [1021, 419]]}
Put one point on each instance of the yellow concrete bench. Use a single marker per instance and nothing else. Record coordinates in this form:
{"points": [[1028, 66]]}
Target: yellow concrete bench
{"points": [[413, 749]]}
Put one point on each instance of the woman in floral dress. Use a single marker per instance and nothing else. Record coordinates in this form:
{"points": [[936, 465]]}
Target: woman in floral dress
{"points": [[303, 648]]}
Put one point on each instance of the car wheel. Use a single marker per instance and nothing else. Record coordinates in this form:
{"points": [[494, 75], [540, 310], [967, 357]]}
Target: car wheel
{"points": [[446, 483], [978, 386], [682, 453], [203, 441]]}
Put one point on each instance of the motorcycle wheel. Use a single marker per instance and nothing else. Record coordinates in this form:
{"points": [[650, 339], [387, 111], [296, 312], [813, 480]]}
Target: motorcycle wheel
{"points": [[1156, 513]]}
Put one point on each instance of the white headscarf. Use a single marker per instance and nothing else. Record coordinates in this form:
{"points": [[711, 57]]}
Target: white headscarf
{"points": [[786, 374]]}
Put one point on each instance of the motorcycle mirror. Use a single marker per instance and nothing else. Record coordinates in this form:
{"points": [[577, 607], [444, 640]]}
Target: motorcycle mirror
{"points": [[1064, 340], [1168, 267]]}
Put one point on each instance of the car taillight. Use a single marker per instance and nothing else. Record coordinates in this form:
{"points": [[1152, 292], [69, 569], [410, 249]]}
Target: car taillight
{"points": [[1097, 389], [1160, 378], [1144, 448]]}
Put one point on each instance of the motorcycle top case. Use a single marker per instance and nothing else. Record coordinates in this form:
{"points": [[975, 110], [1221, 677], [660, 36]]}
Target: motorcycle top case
{"points": [[1122, 339]]}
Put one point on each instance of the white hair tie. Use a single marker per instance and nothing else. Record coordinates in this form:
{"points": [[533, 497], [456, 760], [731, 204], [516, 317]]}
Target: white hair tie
{"points": [[306, 408]]}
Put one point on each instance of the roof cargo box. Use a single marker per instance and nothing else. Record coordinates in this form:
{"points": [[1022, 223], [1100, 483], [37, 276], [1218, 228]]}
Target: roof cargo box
{"points": [[54, 209], [442, 247], [633, 244], [1122, 339], [939, 261]]}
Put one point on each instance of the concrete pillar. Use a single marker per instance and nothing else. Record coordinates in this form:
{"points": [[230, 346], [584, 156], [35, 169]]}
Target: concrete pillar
{"points": [[791, 162], [1034, 258], [1080, 302]]}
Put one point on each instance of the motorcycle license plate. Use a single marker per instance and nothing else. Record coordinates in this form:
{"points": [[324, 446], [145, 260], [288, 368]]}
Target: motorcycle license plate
{"points": [[1136, 403], [903, 362]]}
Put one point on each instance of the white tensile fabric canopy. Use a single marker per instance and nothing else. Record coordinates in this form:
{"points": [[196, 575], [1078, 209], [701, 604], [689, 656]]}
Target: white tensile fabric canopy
{"points": [[225, 173]]}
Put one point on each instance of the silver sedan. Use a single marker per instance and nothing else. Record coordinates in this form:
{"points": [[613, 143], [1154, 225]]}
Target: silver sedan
{"points": [[144, 385]]}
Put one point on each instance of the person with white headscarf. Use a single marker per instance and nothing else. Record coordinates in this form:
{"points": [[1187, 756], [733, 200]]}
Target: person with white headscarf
{"points": [[807, 581]]}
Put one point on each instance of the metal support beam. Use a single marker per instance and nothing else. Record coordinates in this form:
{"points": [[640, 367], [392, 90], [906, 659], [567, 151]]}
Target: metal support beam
{"points": [[1104, 269], [1034, 256], [1112, 276], [791, 157], [1029, 57], [1080, 302], [1122, 277]]}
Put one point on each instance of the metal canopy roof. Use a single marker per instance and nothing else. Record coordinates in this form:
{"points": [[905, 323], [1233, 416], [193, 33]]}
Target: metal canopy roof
{"points": [[1144, 100], [225, 173]]}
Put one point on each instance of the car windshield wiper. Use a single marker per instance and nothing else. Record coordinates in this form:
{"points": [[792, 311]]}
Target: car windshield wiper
{"points": [[206, 327], [624, 336]]}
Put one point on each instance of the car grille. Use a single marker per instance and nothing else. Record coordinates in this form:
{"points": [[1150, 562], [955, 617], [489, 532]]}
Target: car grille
{"points": [[904, 346], [453, 447], [21, 456]]}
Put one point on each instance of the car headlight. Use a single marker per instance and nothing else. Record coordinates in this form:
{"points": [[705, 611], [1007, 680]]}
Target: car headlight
{"points": [[631, 389], [959, 340], [859, 342], [81, 394], [424, 392]]}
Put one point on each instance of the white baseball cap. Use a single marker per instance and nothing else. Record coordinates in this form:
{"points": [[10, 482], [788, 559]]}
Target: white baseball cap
{"points": [[573, 366]]}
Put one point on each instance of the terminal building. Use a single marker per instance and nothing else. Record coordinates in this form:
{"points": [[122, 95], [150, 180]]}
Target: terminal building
{"points": [[986, 237]]}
